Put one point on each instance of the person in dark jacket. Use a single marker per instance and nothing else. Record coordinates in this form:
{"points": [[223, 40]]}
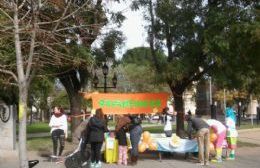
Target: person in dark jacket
{"points": [[202, 135], [96, 130], [121, 129], [135, 136]]}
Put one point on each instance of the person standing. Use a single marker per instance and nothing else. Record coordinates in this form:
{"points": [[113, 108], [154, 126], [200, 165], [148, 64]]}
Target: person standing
{"points": [[96, 128], [202, 135], [135, 136], [121, 137], [167, 121], [59, 127], [232, 133], [220, 130]]}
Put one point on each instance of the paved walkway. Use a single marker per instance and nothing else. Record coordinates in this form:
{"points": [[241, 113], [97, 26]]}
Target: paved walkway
{"points": [[246, 157], [250, 136]]}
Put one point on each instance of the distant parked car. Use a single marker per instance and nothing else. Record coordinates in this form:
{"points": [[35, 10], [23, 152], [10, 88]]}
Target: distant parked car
{"points": [[155, 117]]}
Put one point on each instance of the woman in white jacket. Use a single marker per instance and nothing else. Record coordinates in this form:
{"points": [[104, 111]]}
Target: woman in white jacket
{"points": [[167, 120], [59, 127]]}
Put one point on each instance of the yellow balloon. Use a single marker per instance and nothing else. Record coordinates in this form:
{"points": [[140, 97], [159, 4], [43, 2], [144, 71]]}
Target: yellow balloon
{"points": [[142, 147], [153, 146], [149, 140], [146, 136], [213, 137]]}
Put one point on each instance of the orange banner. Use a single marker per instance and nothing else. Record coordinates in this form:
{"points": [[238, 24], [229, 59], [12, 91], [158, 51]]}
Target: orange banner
{"points": [[128, 103]]}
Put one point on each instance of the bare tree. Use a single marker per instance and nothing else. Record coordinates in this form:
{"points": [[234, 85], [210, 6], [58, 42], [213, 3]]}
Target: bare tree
{"points": [[38, 30]]}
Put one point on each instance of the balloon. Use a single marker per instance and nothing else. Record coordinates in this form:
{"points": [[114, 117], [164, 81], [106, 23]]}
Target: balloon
{"points": [[211, 148], [213, 137], [149, 140], [212, 131], [153, 146], [146, 136], [142, 147]]}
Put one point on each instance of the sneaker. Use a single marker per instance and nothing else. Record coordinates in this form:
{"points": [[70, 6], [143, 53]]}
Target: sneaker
{"points": [[92, 165], [231, 157], [206, 163], [84, 164], [98, 165], [200, 164], [216, 160]]}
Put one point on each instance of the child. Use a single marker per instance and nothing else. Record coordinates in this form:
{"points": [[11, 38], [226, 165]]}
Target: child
{"points": [[122, 142], [231, 131]]}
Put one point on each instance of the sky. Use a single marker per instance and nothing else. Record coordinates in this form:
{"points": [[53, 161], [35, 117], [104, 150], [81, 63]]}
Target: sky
{"points": [[132, 27]]}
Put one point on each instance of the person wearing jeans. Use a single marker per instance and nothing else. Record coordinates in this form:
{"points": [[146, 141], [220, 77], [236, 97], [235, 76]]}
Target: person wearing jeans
{"points": [[135, 136], [59, 127], [202, 135], [96, 130]]}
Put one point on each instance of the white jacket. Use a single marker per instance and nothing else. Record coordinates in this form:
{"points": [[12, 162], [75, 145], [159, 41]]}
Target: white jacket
{"points": [[59, 123]]}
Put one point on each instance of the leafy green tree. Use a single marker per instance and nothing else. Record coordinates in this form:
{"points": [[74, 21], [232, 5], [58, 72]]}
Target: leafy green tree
{"points": [[241, 70], [41, 88], [194, 34], [139, 74]]}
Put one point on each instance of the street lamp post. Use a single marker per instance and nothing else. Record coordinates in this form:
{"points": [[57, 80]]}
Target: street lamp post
{"points": [[105, 70]]}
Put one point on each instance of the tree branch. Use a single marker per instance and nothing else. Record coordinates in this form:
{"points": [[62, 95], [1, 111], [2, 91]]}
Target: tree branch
{"points": [[198, 76], [65, 17], [80, 26], [63, 14], [6, 14], [32, 45], [24, 16], [9, 73], [22, 4]]}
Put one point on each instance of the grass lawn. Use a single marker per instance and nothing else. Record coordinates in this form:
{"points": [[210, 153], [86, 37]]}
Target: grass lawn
{"points": [[43, 144], [39, 144], [38, 127], [153, 127], [248, 125]]}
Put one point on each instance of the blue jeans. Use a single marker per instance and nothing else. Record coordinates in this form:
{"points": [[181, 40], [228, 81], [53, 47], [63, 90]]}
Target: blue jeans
{"points": [[135, 136]]}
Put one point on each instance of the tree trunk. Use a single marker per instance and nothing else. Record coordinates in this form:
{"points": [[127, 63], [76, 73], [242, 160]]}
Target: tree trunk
{"points": [[72, 86], [179, 108], [23, 92], [75, 108], [40, 115], [46, 114]]}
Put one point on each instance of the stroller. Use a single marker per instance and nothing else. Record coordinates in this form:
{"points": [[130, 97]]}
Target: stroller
{"points": [[79, 158]]}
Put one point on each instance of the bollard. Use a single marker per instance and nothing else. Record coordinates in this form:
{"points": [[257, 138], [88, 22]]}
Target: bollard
{"points": [[239, 115], [258, 115], [213, 111]]}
